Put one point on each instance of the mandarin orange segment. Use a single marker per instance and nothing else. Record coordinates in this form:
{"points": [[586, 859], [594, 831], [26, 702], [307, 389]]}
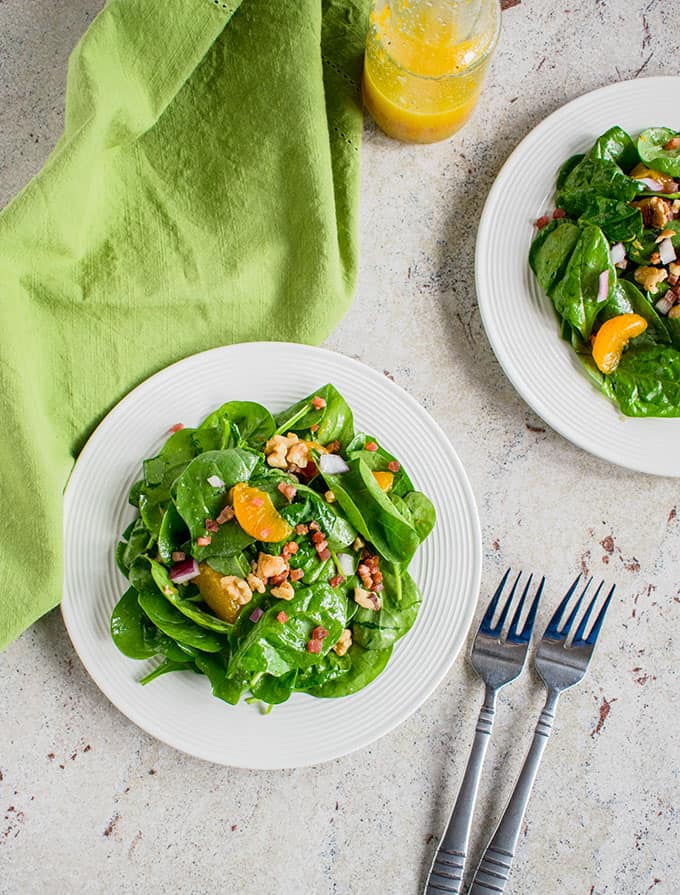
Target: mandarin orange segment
{"points": [[384, 479], [221, 603], [257, 515], [613, 336]]}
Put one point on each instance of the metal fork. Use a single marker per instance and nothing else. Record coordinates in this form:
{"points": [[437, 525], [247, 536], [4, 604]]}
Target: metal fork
{"points": [[497, 662], [561, 665]]}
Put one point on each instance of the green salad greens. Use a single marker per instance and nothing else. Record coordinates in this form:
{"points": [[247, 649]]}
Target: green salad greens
{"points": [[607, 258], [271, 553]]}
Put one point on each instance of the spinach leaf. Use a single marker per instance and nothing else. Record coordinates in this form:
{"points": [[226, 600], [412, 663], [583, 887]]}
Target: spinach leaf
{"points": [[647, 381], [132, 632], [567, 168], [254, 423], [274, 690], [595, 177], [172, 534], [229, 541], [214, 667], [576, 295], [171, 622], [186, 606], [618, 220], [231, 565], [165, 667], [616, 146], [196, 499], [365, 666], [400, 604], [277, 648], [650, 146], [423, 513], [329, 668], [372, 513], [140, 540], [335, 420], [140, 574], [626, 298], [339, 532], [379, 461], [551, 250]]}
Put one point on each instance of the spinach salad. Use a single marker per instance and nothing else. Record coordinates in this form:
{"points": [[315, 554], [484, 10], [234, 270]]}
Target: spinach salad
{"points": [[607, 258], [271, 553]]}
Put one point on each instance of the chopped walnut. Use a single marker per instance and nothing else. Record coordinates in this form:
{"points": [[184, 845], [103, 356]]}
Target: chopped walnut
{"points": [[656, 212], [269, 566], [673, 272], [675, 207], [358, 543], [344, 642], [237, 589], [298, 455], [284, 591], [255, 583], [674, 312], [366, 599], [276, 449], [665, 234], [650, 277], [330, 496]]}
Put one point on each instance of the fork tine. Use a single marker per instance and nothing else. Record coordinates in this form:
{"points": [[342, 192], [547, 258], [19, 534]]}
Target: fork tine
{"points": [[575, 611], [552, 631], [533, 609], [581, 630], [485, 626], [498, 630], [595, 630], [514, 624]]}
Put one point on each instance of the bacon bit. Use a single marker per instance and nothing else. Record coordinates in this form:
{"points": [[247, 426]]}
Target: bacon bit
{"points": [[542, 222], [333, 447], [314, 526], [296, 574], [178, 556], [314, 427], [674, 143], [301, 529], [365, 576], [325, 554], [204, 541], [319, 633], [318, 537], [321, 546], [559, 213], [378, 587], [377, 577], [281, 617], [394, 466], [318, 402], [314, 646], [226, 515], [289, 491], [371, 446], [177, 427], [337, 580], [211, 525], [289, 549], [307, 473], [277, 580], [257, 501]]}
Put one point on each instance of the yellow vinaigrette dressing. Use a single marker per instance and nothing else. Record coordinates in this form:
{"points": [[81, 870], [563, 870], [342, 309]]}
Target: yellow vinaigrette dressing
{"points": [[425, 64]]}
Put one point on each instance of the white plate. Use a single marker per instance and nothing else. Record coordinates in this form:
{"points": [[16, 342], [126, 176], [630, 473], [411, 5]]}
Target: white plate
{"points": [[519, 318], [179, 708]]}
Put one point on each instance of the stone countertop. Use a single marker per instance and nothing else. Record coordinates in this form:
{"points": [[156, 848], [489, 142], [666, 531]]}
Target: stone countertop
{"points": [[89, 803]]}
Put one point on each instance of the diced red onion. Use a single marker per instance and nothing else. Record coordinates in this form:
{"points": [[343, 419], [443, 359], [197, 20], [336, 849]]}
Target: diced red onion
{"points": [[603, 291], [256, 614], [346, 563], [666, 251], [215, 481], [617, 253], [182, 572], [653, 185], [332, 464], [665, 303]]}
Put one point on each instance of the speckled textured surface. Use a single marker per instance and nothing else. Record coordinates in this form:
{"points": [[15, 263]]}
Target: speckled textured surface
{"points": [[88, 803]]}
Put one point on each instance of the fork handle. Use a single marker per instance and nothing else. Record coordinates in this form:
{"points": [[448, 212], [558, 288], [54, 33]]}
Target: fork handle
{"points": [[494, 868], [446, 874]]}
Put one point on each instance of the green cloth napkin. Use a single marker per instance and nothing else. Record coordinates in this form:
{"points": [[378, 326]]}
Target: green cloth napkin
{"points": [[204, 191]]}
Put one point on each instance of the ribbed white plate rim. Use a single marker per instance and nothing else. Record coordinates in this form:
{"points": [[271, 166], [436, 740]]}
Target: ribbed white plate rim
{"points": [[519, 321], [179, 709]]}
